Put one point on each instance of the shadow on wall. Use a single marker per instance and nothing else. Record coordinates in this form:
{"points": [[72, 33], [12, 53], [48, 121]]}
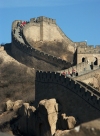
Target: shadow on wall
{"points": [[7, 48], [74, 99]]}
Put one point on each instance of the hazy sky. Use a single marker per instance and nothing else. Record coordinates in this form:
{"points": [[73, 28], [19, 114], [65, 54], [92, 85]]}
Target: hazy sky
{"points": [[79, 19]]}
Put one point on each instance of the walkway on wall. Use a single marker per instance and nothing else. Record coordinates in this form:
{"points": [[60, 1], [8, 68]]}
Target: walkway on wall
{"points": [[18, 35], [85, 68], [87, 74], [87, 93]]}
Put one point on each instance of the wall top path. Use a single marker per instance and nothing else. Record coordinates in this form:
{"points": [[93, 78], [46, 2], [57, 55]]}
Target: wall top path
{"points": [[87, 75], [39, 54], [82, 91], [42, 18], [27, 48]]}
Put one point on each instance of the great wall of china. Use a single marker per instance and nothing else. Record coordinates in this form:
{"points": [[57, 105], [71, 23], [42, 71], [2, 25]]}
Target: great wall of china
{"points": [[76, 98]]}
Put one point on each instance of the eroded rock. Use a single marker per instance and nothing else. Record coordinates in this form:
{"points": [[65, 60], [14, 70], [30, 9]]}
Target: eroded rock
{"points": [[48, 114], [9, 105], [17, 105], [67, 122], [41, 122]]}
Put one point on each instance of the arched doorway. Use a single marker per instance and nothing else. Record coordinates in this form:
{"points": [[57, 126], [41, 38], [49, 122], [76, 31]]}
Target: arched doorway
{"points": [[96, 61], [83, 59]]}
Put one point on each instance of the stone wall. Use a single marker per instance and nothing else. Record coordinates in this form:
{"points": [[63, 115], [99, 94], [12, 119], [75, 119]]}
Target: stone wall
{"points": [[45, 19], [88, 52], [33, 32], [79, 68], [88, 75], [44, 29], [30, 53], [89, 49], [75, 99], [50, 32]]}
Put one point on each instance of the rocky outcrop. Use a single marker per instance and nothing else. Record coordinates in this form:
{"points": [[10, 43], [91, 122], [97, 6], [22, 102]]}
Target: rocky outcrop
{"points": [[17, 105], [27, 119], [9, 105], [42, 121], [67, 122], [48, 114]]}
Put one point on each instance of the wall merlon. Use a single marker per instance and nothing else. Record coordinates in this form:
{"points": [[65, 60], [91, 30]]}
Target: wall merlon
{"points": [[82, 92], [67, 80], [88, 95], [50, 57], [90, 46], [94, 99], [98, 102], [72, 85], [53, 75], [57, 78], [54, 58], [42, 53], [42, 18], [64, 62], [97, 46], [88, 50], [48, 75], [59, 60]]}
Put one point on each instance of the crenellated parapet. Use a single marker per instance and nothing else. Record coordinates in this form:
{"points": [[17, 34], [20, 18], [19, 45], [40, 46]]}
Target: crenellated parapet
{"points": [[30, 51], [90, 52], [42, 18], [54, 78], [88, 75], [89, 49], [74, 97], [77, 68]]}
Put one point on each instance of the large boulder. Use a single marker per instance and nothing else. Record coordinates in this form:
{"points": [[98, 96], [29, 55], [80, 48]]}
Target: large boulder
{"points": [[27, 119], [48, 115]]}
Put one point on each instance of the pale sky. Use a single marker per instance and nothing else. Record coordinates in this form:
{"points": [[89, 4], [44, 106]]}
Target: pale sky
{"points": [[79, 19]]}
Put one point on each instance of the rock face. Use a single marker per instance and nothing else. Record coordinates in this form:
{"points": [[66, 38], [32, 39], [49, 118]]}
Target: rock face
{"points": [[9, 105], [48, 114], [67, 122], [26, 122], [17, 105], [44, 121]]}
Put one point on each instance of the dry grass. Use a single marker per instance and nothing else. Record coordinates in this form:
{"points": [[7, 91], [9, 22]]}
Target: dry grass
{"points": [[58, 49], [16, 82]]}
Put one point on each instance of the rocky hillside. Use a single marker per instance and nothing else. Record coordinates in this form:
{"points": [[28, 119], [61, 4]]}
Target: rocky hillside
{"points": [[16, 79], [56, 48]]}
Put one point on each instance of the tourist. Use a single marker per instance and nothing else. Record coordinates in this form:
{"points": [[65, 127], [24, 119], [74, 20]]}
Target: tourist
{"points": [[63, 73]]}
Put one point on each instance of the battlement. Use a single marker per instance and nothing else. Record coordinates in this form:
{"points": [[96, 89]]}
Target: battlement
{"points": [[74, 97], [74, 86], [79, 68], [42, 18], [29, 50], [89, 49]]}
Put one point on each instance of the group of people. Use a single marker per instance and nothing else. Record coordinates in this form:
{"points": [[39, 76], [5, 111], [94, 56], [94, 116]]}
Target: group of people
{"points": [[70, 74], [21, 23]]}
